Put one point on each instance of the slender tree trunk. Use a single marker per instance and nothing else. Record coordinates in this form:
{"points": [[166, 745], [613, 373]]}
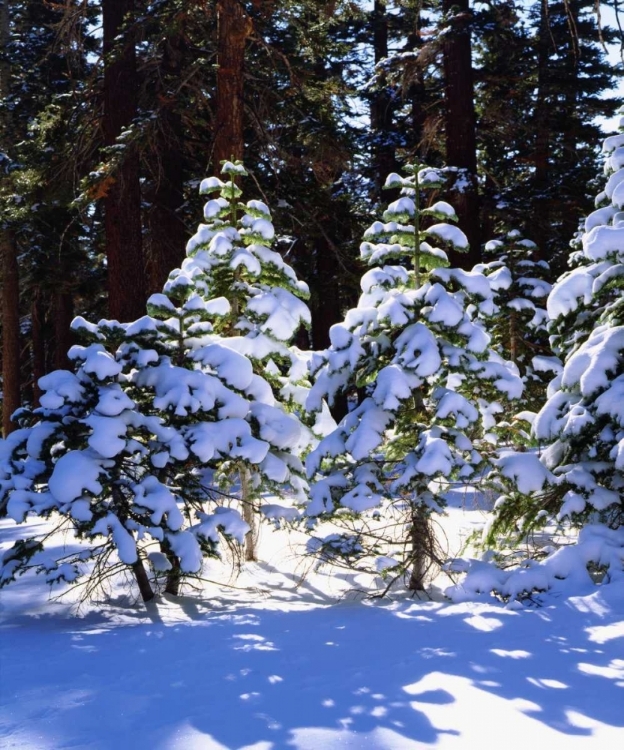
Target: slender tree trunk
{"points": [[419, 537], [460, 126], [8, 253], [174, 576], [140, 574], [514, 335], [249, 516], [122, 205], [234, 27]]}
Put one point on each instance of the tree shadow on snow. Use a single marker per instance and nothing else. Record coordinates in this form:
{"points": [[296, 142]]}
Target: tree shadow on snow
{"points": [[349, 675]]}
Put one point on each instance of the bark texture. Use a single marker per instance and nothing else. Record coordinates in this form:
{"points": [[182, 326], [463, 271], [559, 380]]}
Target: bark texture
{"points": [[10, 331], [167, 233], [249, 516], [420, 534], [460, 126], [8, 255], [142, 580], [122, 204], [381, 105], [541, 156], [233, 28], [37, 318]]}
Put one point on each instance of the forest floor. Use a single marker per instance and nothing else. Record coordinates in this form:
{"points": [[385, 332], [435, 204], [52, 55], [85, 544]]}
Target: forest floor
{"points": [[277, 659]]}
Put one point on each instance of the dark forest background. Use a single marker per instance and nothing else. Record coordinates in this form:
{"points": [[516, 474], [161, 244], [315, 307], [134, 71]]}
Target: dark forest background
{"points": [[112, 111]]}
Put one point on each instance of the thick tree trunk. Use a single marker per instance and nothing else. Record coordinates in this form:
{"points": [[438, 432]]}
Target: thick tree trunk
{"points": [[460, 126], [381, 108], [416, 95], [167, 233], [234, 27], [541, 210], [122, 205], [8, 255], [63, 337], [10, 330], [37, 339]]}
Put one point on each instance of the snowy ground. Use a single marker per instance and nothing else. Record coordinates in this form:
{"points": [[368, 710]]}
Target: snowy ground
{"points": [[284, 663]]}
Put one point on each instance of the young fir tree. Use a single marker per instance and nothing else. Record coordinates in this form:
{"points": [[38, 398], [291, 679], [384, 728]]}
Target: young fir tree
{"points": [[123, 449], [231, 256], [419, 362], [519, 324], [581, 426]]}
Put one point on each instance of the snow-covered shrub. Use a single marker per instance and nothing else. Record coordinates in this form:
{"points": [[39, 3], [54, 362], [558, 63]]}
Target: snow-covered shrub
{"points": [[568, 570], [421, 362], [126, 449]]}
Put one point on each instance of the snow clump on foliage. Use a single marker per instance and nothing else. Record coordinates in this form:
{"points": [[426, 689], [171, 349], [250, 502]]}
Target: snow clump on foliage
{"points": [[421, 367], [133, 450]]}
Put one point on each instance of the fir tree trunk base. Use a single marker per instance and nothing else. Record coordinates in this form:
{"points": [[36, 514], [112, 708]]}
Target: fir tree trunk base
{"points": [[140, 574], [173, 576], [420, 534], [249, 516]]}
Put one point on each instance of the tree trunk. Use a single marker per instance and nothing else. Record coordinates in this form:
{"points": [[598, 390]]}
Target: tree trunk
{"points": [[540, 220], [10, 331], [381, 108], [249, 516], [420, 535], [233, 28], [174, 576], [416, 96], [142, 580], [37, 315], [63, 337], [460, 126], [8, 253], [122, 204], [167, 233]]}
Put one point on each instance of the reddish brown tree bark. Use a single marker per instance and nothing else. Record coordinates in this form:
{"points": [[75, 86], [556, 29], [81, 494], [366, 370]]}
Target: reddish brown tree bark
{"points": [[10, 331], [233, 28], [460, 126], [37, 339], [8, 255], [167, 233], [122, 205]]}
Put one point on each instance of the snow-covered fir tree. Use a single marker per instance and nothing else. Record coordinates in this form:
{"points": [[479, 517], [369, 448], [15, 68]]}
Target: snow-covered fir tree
{"points": [[125, 450], [581, 427], [420, 362], [519, 323], [231, 256]]}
